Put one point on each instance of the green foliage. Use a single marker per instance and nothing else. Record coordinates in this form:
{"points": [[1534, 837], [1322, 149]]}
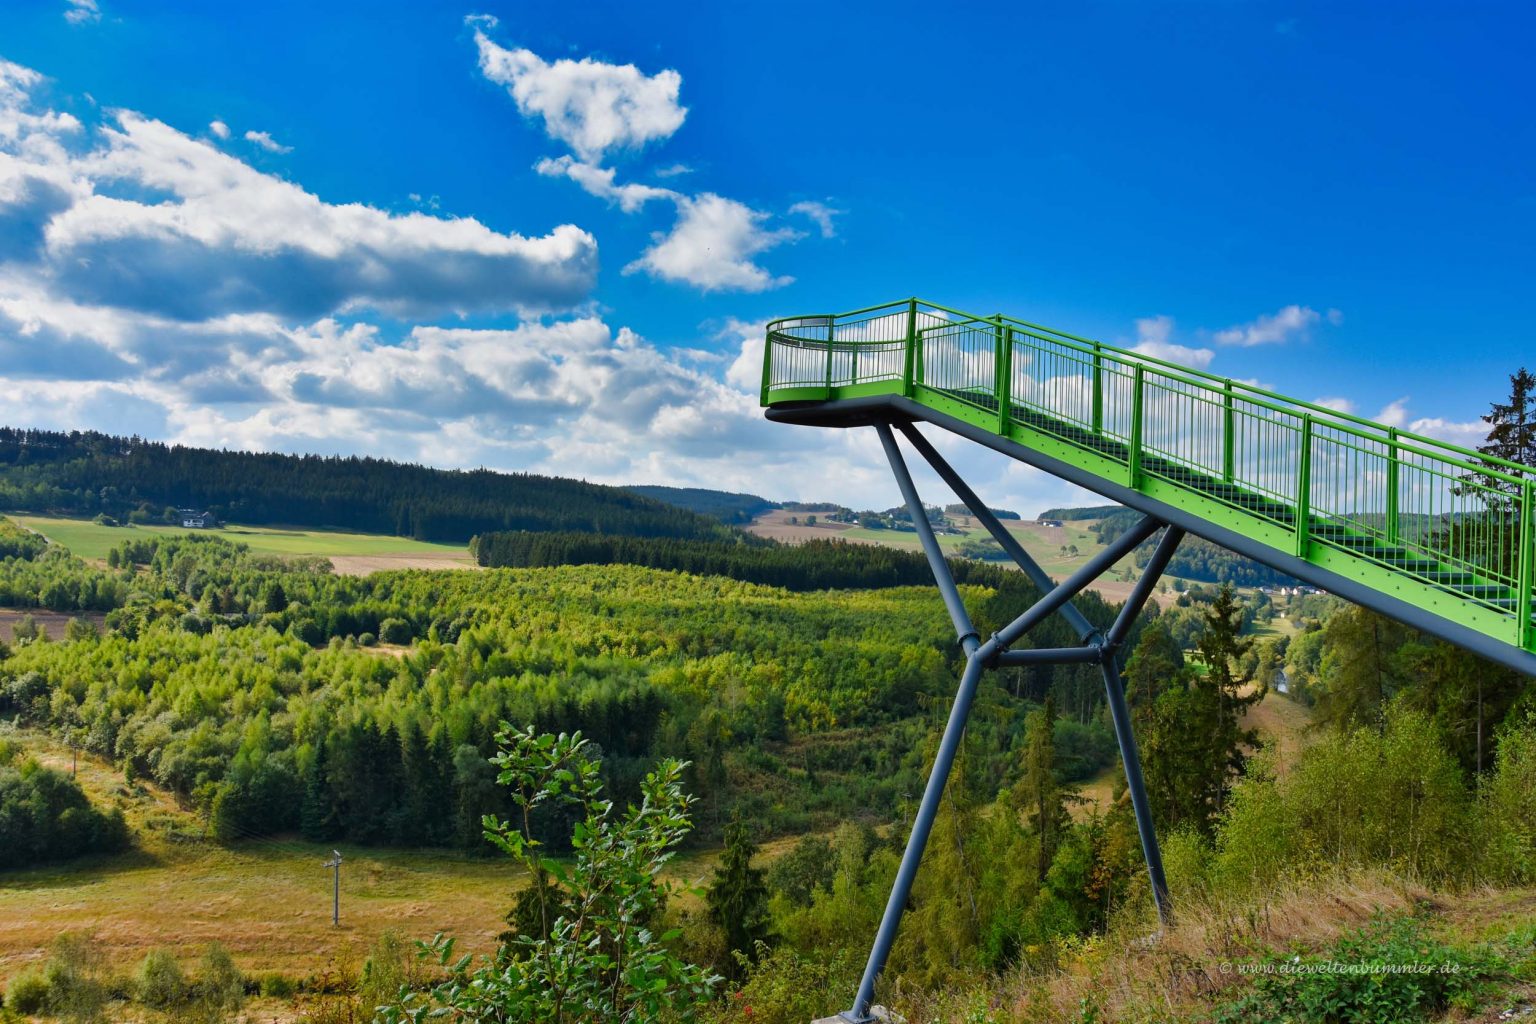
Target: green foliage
{"points": [[1361, 798], [19, 543], [1387, 972], [600, 960], [789, 987], [138, 480], [738, 897], [814, 565], [77, 992], [27, 993], [160, 982], [807, 867], [45, 818], [726, 506], [1509, 805], [220, 987], [1189, 723]]}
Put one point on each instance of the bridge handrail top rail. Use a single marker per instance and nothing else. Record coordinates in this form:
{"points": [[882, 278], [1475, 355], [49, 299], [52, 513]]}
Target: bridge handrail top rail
{"points": [[1483, 463]]}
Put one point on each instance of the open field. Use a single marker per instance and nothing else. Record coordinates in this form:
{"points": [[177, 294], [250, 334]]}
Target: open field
{"points": [[1044, 543], [51, 623], [350, 553], [267, 900]]}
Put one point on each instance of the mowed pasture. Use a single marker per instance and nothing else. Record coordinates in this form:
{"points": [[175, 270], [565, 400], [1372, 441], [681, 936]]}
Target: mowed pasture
{"points": [[267, 900], [350, 553], [1051, 546]]}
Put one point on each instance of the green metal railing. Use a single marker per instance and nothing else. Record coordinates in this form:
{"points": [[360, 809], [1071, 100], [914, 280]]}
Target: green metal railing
{"points": [[1443, 527]]}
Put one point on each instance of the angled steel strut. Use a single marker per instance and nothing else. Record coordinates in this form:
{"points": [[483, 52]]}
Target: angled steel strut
{"points": [[1098, 647]]}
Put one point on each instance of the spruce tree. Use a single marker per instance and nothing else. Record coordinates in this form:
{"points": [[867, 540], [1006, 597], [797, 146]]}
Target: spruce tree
{"points": [[738, 897], [1039, 794], [1228, 694]]}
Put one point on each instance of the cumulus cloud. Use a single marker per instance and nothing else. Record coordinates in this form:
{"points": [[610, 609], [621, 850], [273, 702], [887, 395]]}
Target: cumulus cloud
{"points": [[712, 246], [266, 142], [145, 218], [219, 129], [591, 106], [821, 213], [1153, 338], [599, 181], [1288, 324], [81, 12]]}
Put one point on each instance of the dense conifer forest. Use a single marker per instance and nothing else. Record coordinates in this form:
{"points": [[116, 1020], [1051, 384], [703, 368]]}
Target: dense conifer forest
{"points": [[129, 478]]}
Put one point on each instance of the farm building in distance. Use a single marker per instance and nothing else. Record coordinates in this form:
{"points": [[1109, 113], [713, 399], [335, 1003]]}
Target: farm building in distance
{"points": [[192, 519]]}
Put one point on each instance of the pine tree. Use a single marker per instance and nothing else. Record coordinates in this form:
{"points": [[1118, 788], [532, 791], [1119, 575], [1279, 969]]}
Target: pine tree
{"points": [[1225, 685], [1039, 794], [738, 897]]}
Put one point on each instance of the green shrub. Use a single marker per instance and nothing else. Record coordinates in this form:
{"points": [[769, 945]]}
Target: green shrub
{"points": [[220, 985], [27, 993], [395, 631], [1509, 806], [1394, 799], [161, 983], [73, 973], [275, 985], [1388, 972]]}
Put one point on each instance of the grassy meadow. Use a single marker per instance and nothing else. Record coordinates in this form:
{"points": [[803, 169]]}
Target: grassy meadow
{"points": [[348, 552]]}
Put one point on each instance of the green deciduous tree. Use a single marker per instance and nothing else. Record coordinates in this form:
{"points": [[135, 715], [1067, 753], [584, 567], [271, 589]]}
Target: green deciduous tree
{"points": [[600, 960]]}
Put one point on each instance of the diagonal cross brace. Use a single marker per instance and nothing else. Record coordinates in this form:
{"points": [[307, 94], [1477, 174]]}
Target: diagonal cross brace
{"points": [[980, 656]]}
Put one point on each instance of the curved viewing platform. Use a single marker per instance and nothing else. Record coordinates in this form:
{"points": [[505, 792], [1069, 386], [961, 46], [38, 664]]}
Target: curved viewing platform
{"points": [[1435, 535]]}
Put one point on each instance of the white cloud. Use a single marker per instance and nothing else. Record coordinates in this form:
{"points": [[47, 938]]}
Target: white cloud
{"points": [[1153, 336], [265, 141], [599, 181], [218, 237], [1273, 328], [1337, 404], [1467, 435], [591, 106], [219, 129], [673, 171], [1394, 414], [712, 245], [82, 12], [821, 213]]}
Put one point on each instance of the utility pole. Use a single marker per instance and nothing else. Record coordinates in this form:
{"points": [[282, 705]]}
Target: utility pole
{"points": [[335, 864]]}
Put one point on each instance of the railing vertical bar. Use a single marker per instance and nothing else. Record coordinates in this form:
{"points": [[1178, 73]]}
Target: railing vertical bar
{"points": [[1524, 632], [1098, 388], [1304, 488], [1133, 460], [908, 382], [1228, 452], [831, 343], [1393, 462], [1003, 354]]}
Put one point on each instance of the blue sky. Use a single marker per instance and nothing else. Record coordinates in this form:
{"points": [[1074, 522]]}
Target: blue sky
{"points": [[544, 235]]}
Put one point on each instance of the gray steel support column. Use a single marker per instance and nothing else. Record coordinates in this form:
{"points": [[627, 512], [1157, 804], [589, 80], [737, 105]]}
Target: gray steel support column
{"points": [[1114, 691], [1051, 656], [1125, 736], [922, 825], [1008, 542], [1072, 585], [1143, 589], [966, 633]]}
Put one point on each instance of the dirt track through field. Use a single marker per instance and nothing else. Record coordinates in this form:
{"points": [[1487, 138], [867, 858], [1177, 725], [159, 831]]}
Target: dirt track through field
{"points": [[362, 565]]}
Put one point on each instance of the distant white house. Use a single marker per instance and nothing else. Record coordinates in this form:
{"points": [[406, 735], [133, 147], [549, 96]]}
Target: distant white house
{"points": [[1050, 522], [192, 519]]}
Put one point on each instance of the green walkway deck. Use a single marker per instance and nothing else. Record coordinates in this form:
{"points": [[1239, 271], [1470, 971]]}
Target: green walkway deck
{"points": [[1429, 533]]}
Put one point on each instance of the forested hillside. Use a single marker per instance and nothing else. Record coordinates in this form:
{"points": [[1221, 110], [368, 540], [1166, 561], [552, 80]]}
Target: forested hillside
{"points": [[726, 506], [813, 565], [130, 478]]}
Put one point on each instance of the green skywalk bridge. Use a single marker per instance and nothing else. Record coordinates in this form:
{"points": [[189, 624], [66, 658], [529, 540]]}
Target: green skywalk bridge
{"points": [[1436, 536]]}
